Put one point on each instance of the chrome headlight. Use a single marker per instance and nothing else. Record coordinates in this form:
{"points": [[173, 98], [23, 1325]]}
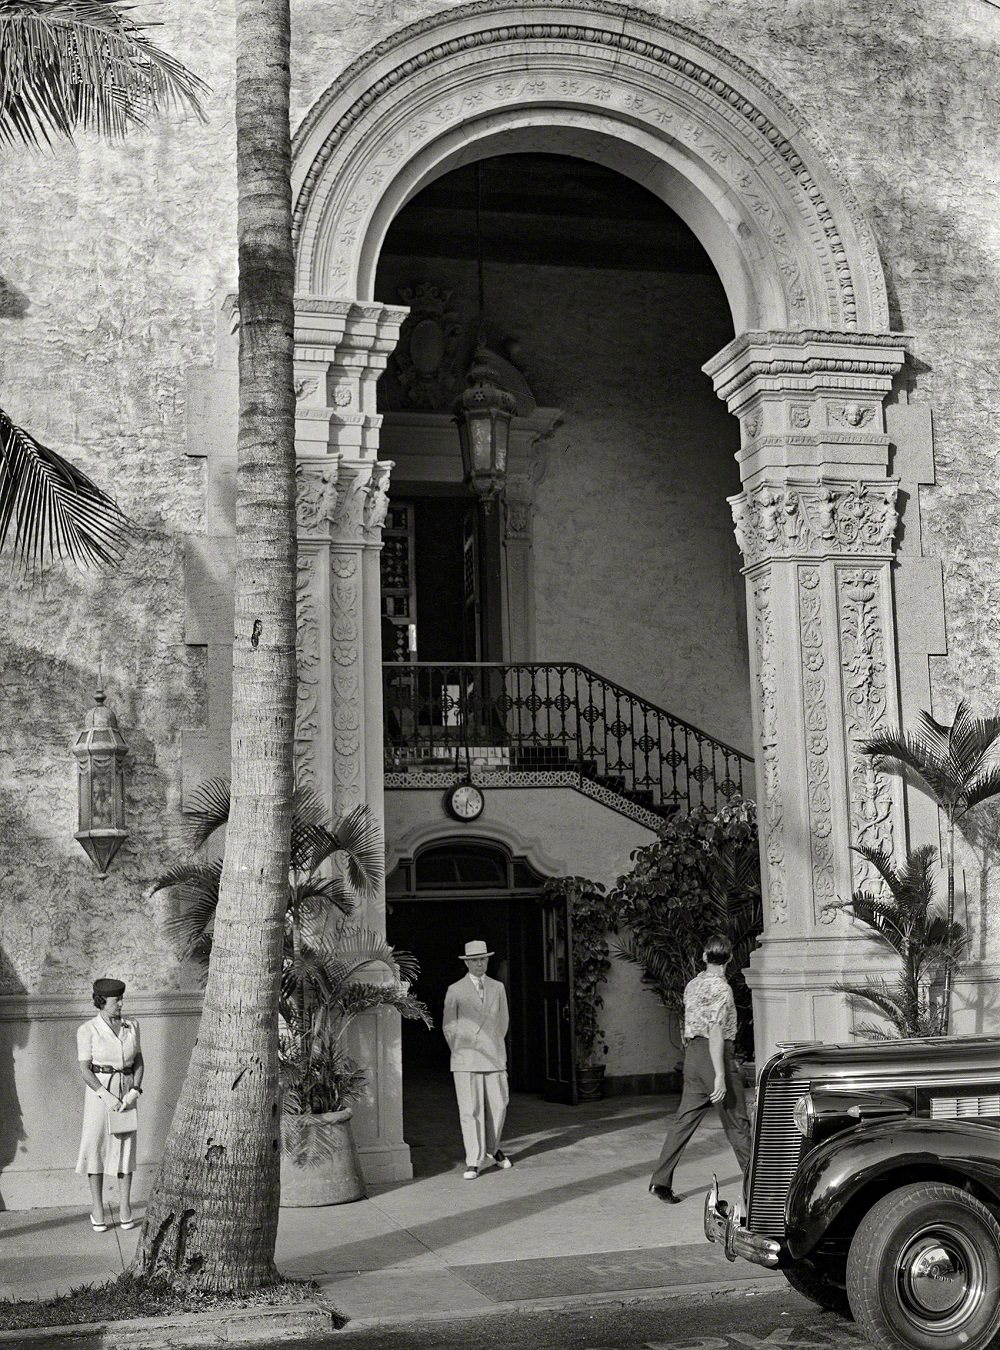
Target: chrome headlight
{"points": [[804, 1115]]}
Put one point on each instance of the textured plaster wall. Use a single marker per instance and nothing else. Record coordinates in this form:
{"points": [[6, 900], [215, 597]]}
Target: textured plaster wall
{"points": [[118, 251], [561, 833], [636, 568], [113, 254]]}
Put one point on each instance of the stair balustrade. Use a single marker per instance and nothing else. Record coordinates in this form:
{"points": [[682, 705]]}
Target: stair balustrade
{"points": [[533, 720]]}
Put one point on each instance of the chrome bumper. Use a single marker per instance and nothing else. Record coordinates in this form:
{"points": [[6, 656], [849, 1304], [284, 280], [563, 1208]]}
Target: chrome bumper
{"points": [[724, 1223]]}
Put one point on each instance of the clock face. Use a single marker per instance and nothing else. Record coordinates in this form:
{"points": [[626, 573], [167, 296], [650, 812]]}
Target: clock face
{"points": [[465, 802]]}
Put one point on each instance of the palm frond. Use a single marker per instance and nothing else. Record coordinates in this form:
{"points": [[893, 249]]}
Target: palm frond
{"points": [[83, 65], [191, 928], [359, 838], [207, 810], [983, 786], [973, 740], [317, 896], [205, 878], [51, 509], [917, 753], [361, 997]]}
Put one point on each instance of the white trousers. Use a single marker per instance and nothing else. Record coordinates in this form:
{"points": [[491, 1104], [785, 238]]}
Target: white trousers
{"points": [[482, 1109]]}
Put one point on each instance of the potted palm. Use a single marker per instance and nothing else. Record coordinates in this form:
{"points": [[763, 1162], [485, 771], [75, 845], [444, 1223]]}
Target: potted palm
{"points": [[959, 767], [333, 971], [906, 918]]}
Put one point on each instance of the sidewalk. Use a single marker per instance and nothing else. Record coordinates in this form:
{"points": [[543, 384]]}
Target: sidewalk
{"points": [[571, 1220]]}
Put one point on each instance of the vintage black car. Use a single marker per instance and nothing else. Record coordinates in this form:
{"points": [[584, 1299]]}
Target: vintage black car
{"points": [[874, 1186]]}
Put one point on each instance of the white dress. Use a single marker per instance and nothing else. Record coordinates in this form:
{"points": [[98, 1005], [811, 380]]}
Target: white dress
{"points": [[96, 1043]]}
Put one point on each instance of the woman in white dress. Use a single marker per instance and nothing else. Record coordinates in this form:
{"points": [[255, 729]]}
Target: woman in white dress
{"points": [[110, 1058]]}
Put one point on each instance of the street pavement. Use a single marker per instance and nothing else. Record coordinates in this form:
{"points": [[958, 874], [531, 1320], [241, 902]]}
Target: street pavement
{"points": [[774, 1320], [570, 1224]]}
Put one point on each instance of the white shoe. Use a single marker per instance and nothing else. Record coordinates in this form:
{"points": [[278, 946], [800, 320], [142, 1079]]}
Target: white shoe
{"points": [[470, 1174], [501, 1159]]}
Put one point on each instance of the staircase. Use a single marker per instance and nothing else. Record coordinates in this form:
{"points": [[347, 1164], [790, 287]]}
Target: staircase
{"points": [[538, 725]]}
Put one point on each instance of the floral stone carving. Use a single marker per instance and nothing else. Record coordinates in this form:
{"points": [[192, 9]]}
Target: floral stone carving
{"points": [[812, 520]]}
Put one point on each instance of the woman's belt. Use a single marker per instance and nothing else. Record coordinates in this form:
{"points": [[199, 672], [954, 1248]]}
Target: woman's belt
{"points": [[110, 1068]]}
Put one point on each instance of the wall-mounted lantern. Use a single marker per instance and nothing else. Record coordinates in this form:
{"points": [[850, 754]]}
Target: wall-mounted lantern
{"points": [[100, 751]]}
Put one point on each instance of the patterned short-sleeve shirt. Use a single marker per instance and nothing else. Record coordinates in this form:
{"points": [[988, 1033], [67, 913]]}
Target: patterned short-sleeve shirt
{"points": [[708, 1000]]}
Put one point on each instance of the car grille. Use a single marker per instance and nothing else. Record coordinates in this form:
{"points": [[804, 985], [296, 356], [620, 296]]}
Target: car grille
{"points": [[777, 1151]]}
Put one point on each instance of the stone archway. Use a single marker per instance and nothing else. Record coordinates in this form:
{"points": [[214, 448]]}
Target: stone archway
{"points": [[807, 376]]}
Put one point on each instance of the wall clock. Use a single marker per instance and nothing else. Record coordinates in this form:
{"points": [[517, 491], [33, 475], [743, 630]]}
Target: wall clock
{"points": [[464, 801]]}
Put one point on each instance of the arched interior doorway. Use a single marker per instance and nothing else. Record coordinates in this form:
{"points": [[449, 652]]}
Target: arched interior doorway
{"points": [[452, 891], [598, 299]]}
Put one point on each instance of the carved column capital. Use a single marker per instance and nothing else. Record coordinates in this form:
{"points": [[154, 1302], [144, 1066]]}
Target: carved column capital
{"points": [[796, 519], [376, 502], [809, 400], [316, 494], [341, 348]]}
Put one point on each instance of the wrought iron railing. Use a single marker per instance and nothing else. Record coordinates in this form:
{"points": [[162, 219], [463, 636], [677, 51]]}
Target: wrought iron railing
{"points": [[531, 717]]}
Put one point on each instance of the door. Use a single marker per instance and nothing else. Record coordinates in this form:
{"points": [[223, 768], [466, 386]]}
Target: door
{"points": [[558, 1020]]}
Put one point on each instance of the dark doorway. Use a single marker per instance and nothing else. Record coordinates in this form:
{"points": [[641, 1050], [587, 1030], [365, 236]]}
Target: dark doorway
{"points": [[441, 581], [450, 894]]}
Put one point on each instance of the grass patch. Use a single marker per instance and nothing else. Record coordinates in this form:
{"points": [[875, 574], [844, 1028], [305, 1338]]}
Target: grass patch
{"points": [[127, 1297]]}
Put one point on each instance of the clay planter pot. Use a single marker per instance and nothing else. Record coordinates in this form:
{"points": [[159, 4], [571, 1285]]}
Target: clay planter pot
{"points": [[590, 1083], [333, 1176]]}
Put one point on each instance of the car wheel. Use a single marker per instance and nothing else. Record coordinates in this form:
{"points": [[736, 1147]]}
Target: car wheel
{"points": [[923, 1271], [805, 1279]]}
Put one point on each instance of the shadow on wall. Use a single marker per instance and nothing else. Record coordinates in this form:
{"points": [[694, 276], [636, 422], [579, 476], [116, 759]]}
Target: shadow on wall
{"points": [[13, 1037]]}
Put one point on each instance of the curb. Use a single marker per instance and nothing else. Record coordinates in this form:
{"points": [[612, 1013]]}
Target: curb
{"points": [[565, 1302], [245, 1326]]}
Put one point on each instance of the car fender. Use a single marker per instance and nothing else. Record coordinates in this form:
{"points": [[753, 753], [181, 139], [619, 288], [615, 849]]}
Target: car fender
{"points": [[833, 1173]]}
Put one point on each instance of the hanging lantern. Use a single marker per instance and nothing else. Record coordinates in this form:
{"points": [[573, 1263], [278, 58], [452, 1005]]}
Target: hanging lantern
{"points": [[483, 413], [100, 751]]}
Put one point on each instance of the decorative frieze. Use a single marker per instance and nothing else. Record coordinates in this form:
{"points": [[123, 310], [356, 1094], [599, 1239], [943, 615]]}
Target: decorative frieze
{"points": [[816, 728], [345, 648], [866, 692], [796, 519], [309, 664], [769, 783]]}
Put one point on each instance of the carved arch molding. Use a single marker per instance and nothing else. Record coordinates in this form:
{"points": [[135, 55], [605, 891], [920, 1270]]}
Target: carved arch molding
{"points": [[650, 97]]}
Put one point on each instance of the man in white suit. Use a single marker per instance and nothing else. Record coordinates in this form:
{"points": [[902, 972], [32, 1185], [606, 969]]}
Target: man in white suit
{"points": [[474, 1024]]}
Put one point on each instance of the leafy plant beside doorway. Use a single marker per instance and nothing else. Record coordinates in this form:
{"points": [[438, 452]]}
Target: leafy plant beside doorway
{"points": [[702, 875]]}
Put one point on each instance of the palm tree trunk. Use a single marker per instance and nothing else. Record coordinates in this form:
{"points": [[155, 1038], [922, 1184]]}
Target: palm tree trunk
{"points": [[949, 963], [212, 1218]]}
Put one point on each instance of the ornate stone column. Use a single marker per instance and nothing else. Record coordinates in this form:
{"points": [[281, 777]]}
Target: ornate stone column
{"points": [[816, 524], [340, 349]]}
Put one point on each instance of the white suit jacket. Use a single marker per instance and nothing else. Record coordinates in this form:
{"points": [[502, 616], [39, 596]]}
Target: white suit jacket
{"points": [[475, 1028]]}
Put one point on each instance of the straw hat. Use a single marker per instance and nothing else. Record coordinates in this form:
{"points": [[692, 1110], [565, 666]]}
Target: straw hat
{"points": [[474, 949]]}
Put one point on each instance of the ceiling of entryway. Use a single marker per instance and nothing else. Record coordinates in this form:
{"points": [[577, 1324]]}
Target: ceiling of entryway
{"points": [[550, 210]]}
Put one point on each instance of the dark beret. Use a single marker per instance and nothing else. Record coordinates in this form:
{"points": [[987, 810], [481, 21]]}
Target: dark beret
{"points": [[109, 988]]}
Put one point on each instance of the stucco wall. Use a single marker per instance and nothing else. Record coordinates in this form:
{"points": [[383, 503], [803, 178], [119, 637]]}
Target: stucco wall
{"points": [[561, 833]]}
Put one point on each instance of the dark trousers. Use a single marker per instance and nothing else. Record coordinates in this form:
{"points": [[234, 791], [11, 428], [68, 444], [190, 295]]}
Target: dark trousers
{"points": [[699, 1080]]}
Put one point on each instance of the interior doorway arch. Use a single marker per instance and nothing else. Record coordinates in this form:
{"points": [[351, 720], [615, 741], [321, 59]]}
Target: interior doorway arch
{"points": [[448, 892]]}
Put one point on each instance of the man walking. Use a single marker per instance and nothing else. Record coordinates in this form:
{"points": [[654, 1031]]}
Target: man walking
{"points": [[710, 1071], [474, 1024]]}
